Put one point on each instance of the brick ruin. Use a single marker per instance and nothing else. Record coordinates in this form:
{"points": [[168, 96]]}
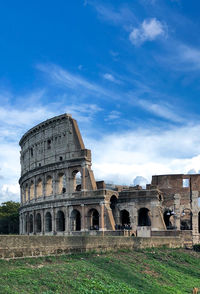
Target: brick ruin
{"points": [[59, 194]]}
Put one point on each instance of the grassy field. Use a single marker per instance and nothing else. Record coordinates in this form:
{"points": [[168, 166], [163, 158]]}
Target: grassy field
{"points": [[144, 271]]}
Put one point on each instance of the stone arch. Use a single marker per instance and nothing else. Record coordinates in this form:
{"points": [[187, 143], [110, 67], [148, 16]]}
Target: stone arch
{"points": [[26, 223], [186, 219], [26, 193], [77, 180], [125, 217], [49, 186], [31, 190], [169, 219], [113, 206], [93, 218], [48, 222], [31, 223], [75, 220], [60, 221], [39, 188], [38, 223], [61, 186], [143, 217]]}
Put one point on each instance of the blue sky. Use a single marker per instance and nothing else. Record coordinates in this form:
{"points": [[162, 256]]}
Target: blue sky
{"points": [[128, 71]]}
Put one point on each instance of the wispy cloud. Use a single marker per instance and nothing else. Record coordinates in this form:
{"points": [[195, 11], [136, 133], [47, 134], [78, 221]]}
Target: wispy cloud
{"points": [[163, 110], [111, 78], [121, 16], [69, 80], [149, 30], [113, 115]]}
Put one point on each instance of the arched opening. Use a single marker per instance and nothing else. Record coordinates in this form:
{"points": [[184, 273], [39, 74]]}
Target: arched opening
{"points": [[26, 193], [31, 190], [199, 221], [143, 217], [186, 219], [39, 188], [48, 222], [77, 180], [125, 217], [169, 219], [38, 223], [113, 206], [49, 186], [75, 220], [60, 221], [31, 223], [93, 219], [26, 224], [61, 184]]}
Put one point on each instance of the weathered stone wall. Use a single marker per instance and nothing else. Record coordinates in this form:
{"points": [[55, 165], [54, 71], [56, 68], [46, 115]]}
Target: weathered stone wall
{"points": [[32, 246]]}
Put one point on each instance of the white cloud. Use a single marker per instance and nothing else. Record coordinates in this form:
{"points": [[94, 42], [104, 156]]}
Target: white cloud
{"points": [[113, 115], [145, 152], [163, 110], [141, 181], [83, 112], [67, 79], [9, 192], [111, 78], [190, 55], [149, 30]]}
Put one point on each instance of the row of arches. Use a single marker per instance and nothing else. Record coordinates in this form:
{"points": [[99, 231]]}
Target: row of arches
{"points": [[32, 226], [46, 187]]}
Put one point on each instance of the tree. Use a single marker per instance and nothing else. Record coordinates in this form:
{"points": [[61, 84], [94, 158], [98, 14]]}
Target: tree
{"points": [[9, 217]]}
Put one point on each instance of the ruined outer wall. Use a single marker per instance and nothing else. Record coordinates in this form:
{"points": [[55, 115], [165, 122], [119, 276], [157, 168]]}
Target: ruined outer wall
{"points": [[32, 246]]}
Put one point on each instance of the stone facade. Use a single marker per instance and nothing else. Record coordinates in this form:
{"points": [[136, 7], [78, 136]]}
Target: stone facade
{"points": [[59, 194]]}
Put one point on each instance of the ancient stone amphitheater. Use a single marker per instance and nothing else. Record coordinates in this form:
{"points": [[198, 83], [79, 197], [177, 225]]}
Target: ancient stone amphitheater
{"points": [[59, 194]]}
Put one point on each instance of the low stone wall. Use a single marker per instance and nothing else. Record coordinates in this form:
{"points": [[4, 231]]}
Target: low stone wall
{"points": [[30, 246]]}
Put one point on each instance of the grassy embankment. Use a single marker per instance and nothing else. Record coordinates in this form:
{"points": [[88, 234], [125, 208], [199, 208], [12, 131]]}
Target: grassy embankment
{"points": [[145, 271]]}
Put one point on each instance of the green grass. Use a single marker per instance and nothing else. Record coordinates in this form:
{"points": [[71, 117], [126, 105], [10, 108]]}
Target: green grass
{"points": [[145, 271]]}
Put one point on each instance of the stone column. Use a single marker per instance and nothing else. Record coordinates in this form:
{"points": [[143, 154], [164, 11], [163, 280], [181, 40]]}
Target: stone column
{"points": [[102, 217], [53, 221], [34, 228], [67, 220], [83, 183], [35, 189], [177, 211], [83, 217], [43, 223], [195, 221], [43, 187], [54, 184], [21, 224], [29, 192]]}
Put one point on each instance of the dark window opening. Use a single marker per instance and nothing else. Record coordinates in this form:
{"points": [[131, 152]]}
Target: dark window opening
{"points": [[76, 220], [61, 158], [38, 223], [31, 152], [125, 217], [63, 190], [113, 206], [143, 217], [31, 223], [48, 222], [49, 144], [169, 219], [94, 219], [60, 221]]}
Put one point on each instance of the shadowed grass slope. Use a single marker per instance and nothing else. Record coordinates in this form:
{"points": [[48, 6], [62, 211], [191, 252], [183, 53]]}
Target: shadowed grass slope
{"points": [[145, 271]]}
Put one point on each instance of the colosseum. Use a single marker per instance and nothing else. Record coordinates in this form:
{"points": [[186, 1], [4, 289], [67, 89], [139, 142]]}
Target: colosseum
{"points": [[59, 194]]}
